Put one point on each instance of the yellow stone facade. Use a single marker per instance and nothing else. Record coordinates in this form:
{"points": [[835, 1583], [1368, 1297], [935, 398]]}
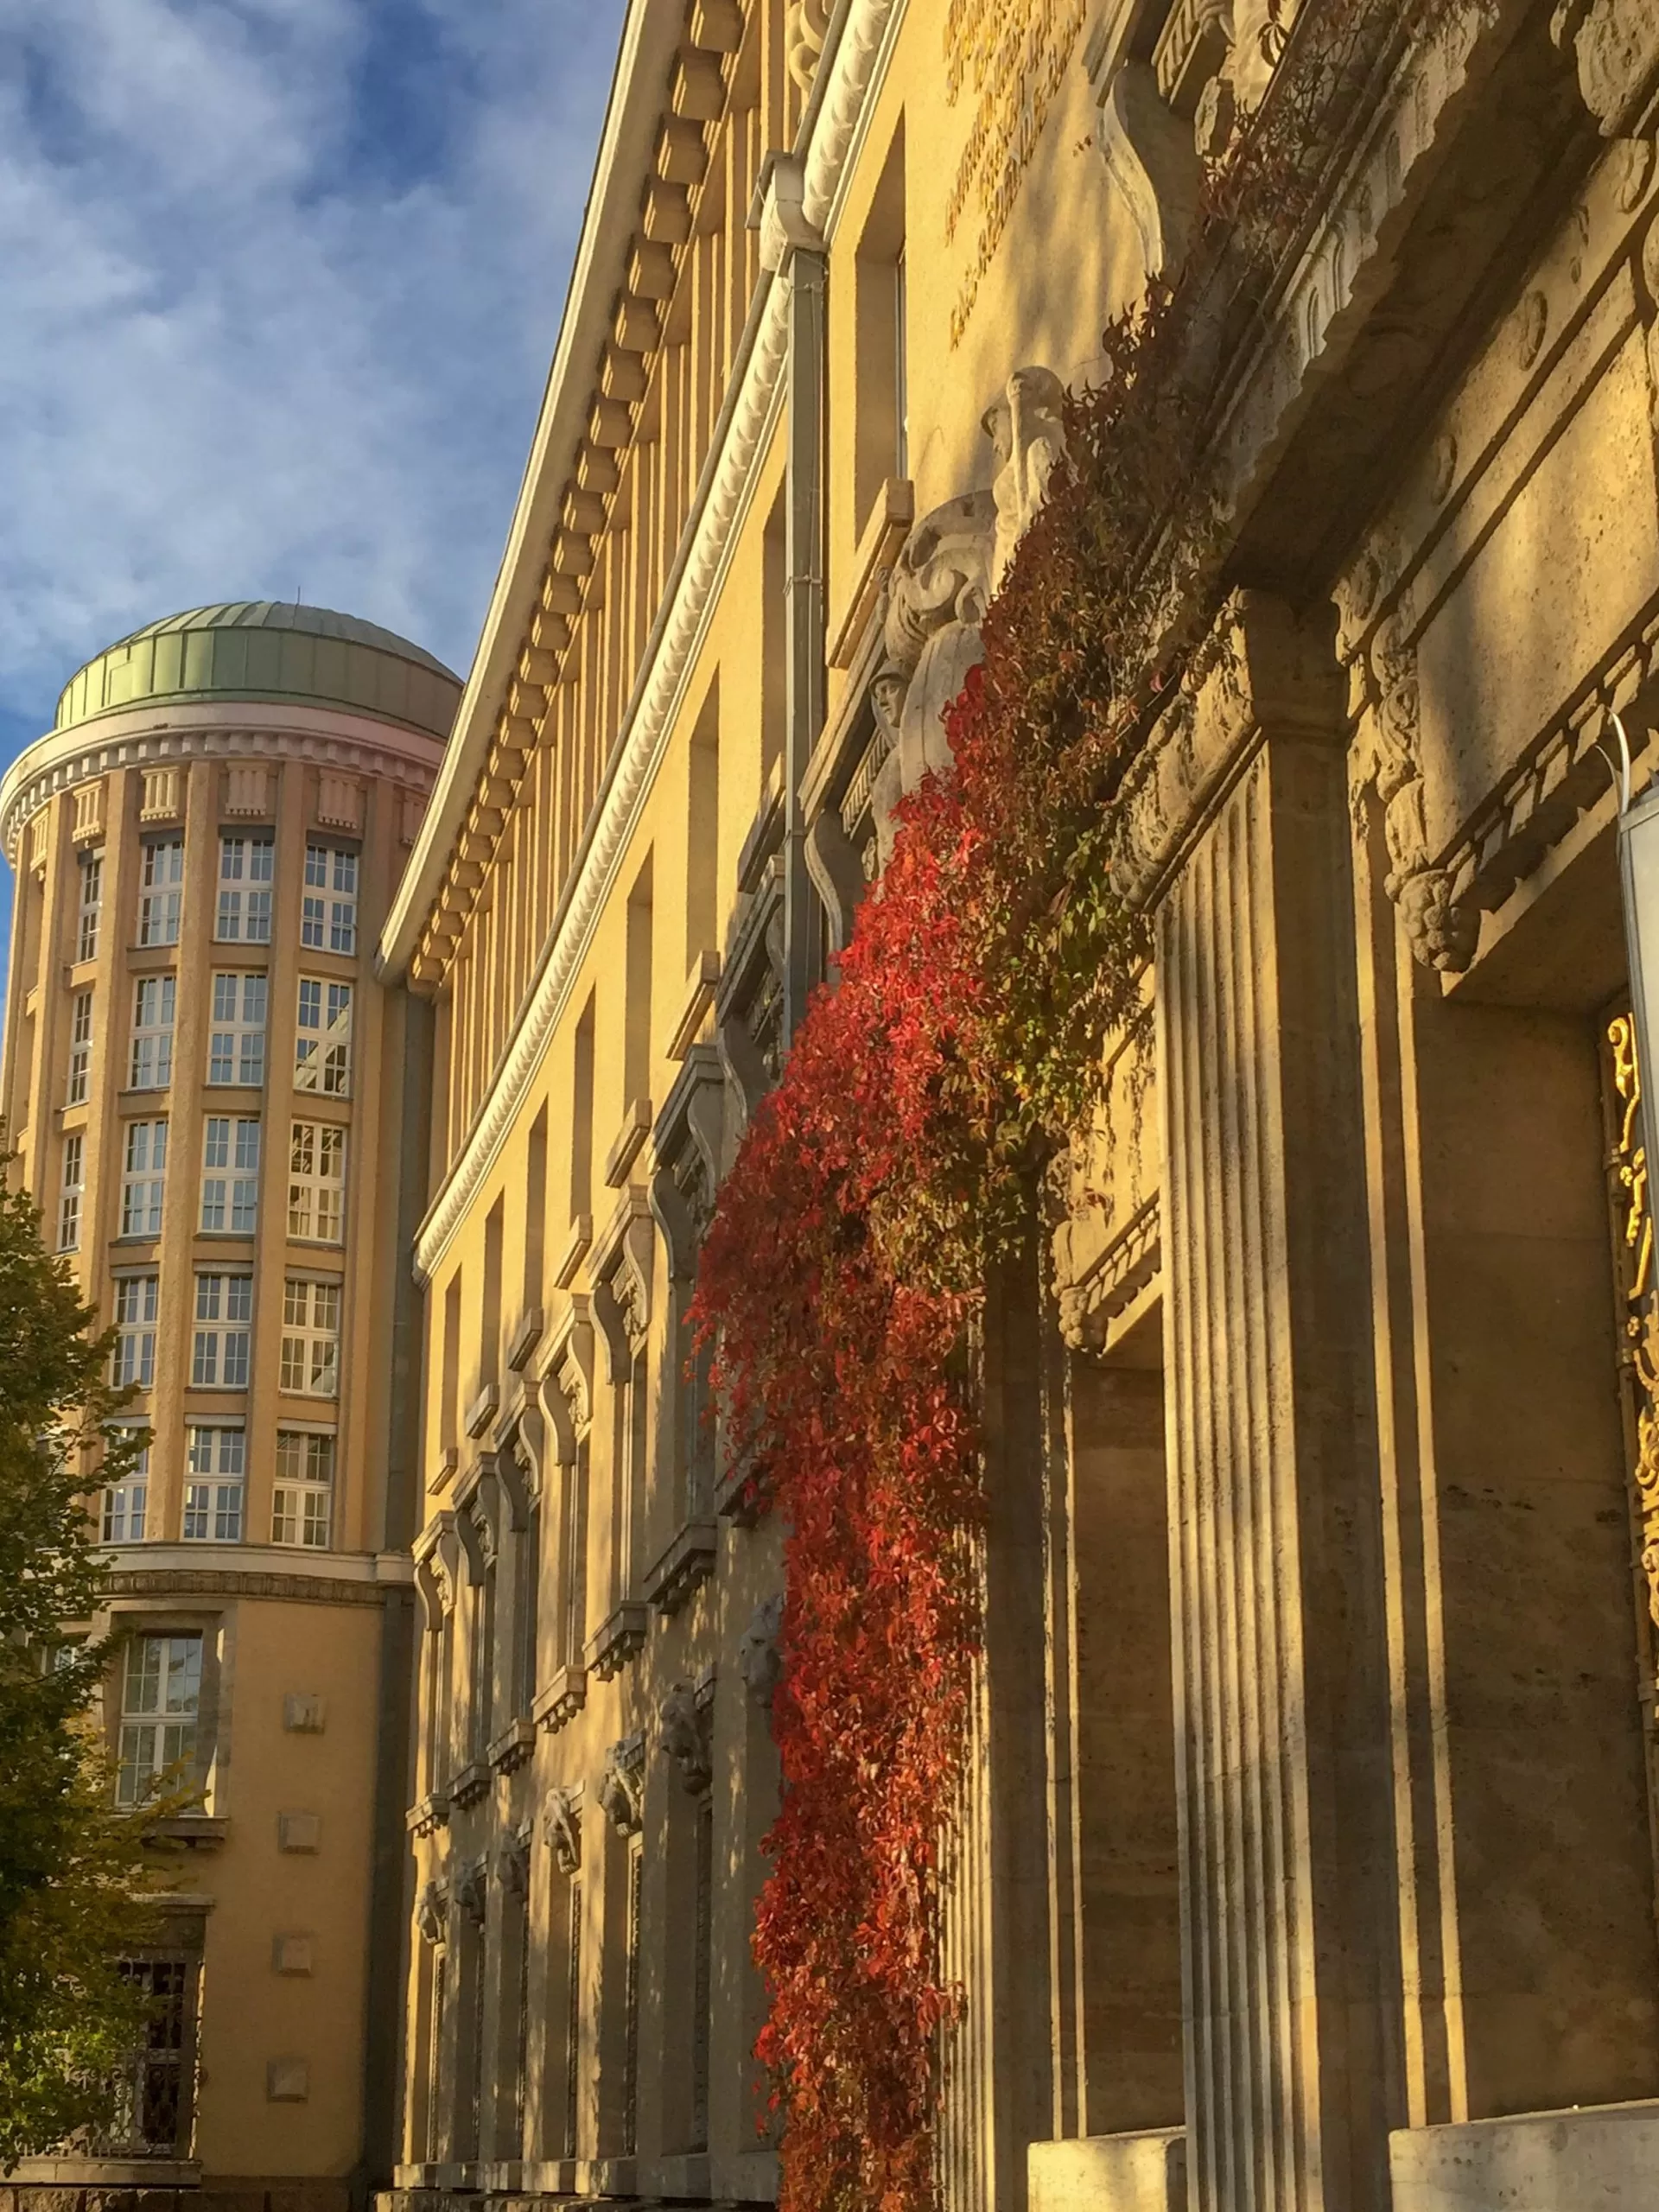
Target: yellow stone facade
{"points": [[204, 1085]]}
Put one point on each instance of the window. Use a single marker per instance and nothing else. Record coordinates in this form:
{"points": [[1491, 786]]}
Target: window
{"points": [[160, 1708], [328, 912], [301, 1502], [89, 906], [142, 1174], [311, 1338], [74, 1182], [230, 1175], [316, 1182], [323, 1043], [213, 1496], [160, 892], [152, 1032], [152, 2114], [244, 873], [236, 1044], [224, 1311], [80, 1047], [134, 1330], [126, 1504]]}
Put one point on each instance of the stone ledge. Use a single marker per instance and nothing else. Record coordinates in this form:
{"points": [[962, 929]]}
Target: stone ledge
{"points": [[1602, 2155]]}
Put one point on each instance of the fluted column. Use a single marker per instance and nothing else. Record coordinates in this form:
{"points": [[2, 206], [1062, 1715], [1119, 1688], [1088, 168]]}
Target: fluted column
{"points": [[1237, 834]]}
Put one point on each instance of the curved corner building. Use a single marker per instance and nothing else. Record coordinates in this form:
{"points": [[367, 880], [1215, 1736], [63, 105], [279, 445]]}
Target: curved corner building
{"points": [[206, 1088]]}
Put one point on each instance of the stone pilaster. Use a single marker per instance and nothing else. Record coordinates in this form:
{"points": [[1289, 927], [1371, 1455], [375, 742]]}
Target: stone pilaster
{"points": [[1237, 832]]}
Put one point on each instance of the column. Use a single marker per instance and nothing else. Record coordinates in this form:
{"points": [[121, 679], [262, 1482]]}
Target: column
{"points": [[1237, 833]]}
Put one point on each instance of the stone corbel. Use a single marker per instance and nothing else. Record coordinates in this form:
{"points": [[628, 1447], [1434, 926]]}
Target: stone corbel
{"points": [[516, 1487], [779, 212], [562, 1827], [686, 1733], [1260, 670], [437, 1555], [566, 1388], [622, 1788], [1615, 44], [691, 1123], [1152, 162], [620, 1267]]}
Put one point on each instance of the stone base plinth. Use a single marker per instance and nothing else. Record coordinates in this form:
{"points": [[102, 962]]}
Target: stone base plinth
{"points": [[1110, 2173], [1605, 2156]]}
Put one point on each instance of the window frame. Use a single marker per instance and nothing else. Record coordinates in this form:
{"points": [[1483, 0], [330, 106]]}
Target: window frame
{"points": [[221, 1347], [218, 1494], [152, 1069], [301, 1500], [243, 1035], [236, 1178], [319, 1190], [304, 1335], [166, 892], [81, 1034], [256, 914], [182, 1721], [135, 1329], [322, 1047], [89, 910], [72, 1191], [328, 906]]}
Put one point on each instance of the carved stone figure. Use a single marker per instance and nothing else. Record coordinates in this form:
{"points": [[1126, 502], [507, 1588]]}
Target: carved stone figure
{"points": [[472, 1893], [512, 1865], [562, 1826], [683, 1732], [760, 1660], [621, 1791], [432, 1912], [1026, 426]]}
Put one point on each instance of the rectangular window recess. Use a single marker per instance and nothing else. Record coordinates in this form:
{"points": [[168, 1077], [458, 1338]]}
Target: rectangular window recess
{"points": [[699, 998], [526, 1338], [886, 528], [576, 1244], [636, 1128]]}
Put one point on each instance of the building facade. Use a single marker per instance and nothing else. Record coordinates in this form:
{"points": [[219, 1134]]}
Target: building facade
{"points": [[1309, 1857], [205, 1087]]}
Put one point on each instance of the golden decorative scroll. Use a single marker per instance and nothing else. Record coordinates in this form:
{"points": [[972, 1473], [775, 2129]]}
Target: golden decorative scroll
{"points": [[1639, 1347]]}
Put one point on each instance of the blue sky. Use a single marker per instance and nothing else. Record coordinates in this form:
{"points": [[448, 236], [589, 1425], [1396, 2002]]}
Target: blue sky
{"points": [[279, 285]]}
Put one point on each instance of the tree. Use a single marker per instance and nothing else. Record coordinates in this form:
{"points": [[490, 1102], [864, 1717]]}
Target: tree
{"points": [[70, 1866]]}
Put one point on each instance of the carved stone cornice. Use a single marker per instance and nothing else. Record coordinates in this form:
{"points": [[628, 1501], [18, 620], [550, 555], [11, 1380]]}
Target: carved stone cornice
{"points": [[1260, 670]]}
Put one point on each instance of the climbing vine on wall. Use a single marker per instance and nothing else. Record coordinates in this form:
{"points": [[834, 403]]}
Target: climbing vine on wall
{"points": [[950, 1062]]}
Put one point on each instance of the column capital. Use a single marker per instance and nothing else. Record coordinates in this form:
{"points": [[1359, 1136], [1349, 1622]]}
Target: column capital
{"points": [[1264, 671]]}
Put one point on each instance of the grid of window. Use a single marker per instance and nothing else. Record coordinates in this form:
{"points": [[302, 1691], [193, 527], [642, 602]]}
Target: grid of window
{"points": [[245, 874], [236, 1043], [230, 1174], [152, 1032], [160, 890], [134, 1330], [89, 906], [212, 1496], [80, 1047], [219, 1360], [69, 1196], [328, 909], [311, 1338], [316, 1182], [126, 1504], [143, 1173], [323, 1042], [303, 1499], [160, 1709]]}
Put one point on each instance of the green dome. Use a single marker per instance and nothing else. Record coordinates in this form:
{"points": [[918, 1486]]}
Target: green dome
{"points": [[267, 649]]}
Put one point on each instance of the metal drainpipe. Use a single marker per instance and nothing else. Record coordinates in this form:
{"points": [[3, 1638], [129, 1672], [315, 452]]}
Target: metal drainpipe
{"points": [[804, 272]]}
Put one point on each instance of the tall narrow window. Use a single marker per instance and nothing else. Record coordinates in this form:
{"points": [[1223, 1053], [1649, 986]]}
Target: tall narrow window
{"points": [[161, 1711], [245, 868], [573, 2021], [310, 1362], [236, 1042], [155, 2081], [152, 1032], [126, 1504], [489, 1349], [535, 1211], [80, 1047], [213, 1496], [301, 1508], [702, 1969], [881, 433], [483, 1627], [71, 1193], [581, 1115], [144, 1176], [329, 914], [636, 1041], [224, 1321], [89, 906], [435, 2060], [230, 1175], [134, 1358], [316, 1182], [161, 881], [630, 2003], [323, 1039], [574, 1624], [527, 1607], [900, 369], [702, 833]]}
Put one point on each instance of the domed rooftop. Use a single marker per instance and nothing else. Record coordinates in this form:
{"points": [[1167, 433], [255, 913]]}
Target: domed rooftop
{"points": [[267, 649]]}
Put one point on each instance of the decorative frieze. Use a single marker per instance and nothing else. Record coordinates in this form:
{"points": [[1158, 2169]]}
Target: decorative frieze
{"points": [[89, 812], [340, 802], [162, 795], [248, 790]]}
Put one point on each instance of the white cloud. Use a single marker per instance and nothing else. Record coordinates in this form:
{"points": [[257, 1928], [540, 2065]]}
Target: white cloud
{"points": [[280, 279]]}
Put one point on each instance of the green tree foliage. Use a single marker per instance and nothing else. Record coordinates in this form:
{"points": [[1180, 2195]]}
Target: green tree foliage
{"points": [[70, 1864]]}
